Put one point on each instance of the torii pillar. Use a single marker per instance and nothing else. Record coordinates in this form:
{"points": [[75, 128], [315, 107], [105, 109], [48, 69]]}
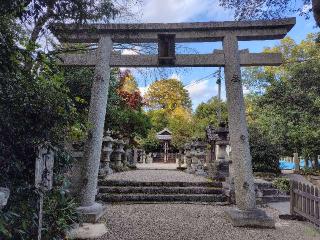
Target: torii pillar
{"points": [[90, 210], [246, 213]]}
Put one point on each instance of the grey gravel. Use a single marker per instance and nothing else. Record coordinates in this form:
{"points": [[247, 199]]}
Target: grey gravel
{"points": [[188, 221], [156, 176], [157, 166]]}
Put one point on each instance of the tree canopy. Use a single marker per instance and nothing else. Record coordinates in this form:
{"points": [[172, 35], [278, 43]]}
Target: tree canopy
{"points": [[167, 94], [272, 9], [287, 105]]}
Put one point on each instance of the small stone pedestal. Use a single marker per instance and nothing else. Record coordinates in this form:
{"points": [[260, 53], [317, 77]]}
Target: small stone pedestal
{"points": [[250, 218], [92, 213]]}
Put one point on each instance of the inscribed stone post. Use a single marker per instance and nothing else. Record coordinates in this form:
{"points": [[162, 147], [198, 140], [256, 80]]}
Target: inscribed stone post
{"points": [[246, 213], [97, 111]]}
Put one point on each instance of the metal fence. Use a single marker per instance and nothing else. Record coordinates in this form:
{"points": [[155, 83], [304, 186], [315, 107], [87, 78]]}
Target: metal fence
{"points": [[305, 201]]}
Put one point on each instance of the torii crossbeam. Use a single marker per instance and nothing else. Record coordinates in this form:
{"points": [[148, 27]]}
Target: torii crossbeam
{"points": [[246, 213]]}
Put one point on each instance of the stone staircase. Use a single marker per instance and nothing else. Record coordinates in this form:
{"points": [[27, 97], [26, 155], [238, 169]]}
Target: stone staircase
{"points": [[111, 191], [267, 193]]}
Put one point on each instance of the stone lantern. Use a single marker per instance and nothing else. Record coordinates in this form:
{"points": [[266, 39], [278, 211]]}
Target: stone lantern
{"points": [[107, 144], [219, 161], [187, 152], [200, 157], [194, 159], [119, 152], [222, 157], [222, 141]]}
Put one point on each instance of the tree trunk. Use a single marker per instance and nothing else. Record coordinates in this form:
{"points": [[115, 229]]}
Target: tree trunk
{"points": [[39, 25], [316, 11], [36, 32]]}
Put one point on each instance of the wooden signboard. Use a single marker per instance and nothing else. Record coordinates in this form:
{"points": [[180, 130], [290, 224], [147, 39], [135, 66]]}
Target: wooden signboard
{"points": [[44, 168]]}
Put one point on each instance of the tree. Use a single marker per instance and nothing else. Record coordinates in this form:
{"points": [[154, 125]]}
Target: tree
{"points": [[287, 107], [207, 114], [38, 105], [35, 107], [181, 125], [40, 13], [127, 82], [167, 94], [124, 111], [159, 119], [271, 9]]}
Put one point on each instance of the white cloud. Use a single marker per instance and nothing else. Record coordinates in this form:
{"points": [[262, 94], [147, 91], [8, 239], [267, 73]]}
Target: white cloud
{"points": [[143, 90], [245, 90], [129, 52], [181, 10], [201, 91], [175, 76]]}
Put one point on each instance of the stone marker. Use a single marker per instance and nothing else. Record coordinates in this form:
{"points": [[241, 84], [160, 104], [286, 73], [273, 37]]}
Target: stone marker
{"points": [[4, 196], [246, 213]]}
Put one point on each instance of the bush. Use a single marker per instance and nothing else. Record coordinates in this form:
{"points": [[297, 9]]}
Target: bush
{"points": [[59, 214], [282, 184], [265, 154], [310, 171]]}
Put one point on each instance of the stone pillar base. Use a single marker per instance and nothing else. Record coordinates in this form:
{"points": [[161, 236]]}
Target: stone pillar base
{"points": [[250, 218], [91, 214]]}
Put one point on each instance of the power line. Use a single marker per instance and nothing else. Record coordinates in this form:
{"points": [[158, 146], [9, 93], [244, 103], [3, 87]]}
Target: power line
{"points": [[216, 73]]}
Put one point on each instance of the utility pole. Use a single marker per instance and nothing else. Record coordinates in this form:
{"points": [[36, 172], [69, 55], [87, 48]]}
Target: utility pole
{"points": [[219, 94]]}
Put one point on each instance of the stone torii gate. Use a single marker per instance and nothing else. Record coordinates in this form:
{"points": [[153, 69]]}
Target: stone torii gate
{"points": [[166, 35]]}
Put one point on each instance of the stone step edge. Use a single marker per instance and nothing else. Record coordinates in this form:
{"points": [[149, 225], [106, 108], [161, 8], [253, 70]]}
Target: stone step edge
{"points": [[160, 187], [157, 190], [161, 197], [216, 203], [163, 192], [178, 184]]}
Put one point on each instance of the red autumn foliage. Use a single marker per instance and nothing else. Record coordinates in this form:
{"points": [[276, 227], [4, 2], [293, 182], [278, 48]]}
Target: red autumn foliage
{"points": [[133, 100]]}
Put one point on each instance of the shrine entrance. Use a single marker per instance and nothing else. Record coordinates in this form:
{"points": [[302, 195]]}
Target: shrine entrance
{"points": [[167, 35], [166, 156]]}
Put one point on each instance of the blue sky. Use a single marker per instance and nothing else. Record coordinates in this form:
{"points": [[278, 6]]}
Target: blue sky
{"points": [[193, 11]]}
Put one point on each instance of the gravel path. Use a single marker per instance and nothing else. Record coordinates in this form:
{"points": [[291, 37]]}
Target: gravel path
{"points": [[156, 176], [188, 221], [158, 166]]}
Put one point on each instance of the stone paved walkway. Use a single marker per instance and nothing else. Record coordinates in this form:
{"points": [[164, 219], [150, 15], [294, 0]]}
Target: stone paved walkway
{"points": [[156, 176], [190, 221]]}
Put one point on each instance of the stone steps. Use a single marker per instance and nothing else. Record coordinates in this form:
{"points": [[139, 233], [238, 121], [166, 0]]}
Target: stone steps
{"points": [[270, 194], [160, 190], [131, 191], [159, 184], [106, 197], [270, 191], [273, 198]]}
